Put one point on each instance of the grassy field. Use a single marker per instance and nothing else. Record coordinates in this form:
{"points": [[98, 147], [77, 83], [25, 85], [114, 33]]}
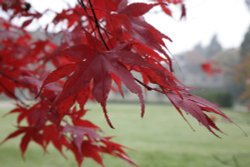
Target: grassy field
{"points": [[161, 139]]}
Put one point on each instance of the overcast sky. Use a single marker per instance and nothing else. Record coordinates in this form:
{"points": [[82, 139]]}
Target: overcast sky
{"points": [[229, 19]]}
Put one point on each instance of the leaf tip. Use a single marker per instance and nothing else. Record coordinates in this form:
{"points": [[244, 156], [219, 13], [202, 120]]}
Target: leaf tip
{"points": [[106, 116]]}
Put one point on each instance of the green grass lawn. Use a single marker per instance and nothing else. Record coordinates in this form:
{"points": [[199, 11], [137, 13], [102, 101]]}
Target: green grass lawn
{"points": [[161, 139]]}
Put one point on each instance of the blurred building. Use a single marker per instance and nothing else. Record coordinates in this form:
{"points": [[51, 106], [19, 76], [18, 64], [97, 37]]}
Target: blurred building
{"points": [[188, 66]]}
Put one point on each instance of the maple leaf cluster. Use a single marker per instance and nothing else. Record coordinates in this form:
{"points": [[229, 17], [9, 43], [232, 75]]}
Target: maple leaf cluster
{"points": [[107, 44]]}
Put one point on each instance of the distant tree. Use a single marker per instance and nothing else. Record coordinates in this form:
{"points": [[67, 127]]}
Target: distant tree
{"points": [[248, 4], [244, 78], [245, 46], [214, 47], [211, 50], [244, 67], [199, 48]]}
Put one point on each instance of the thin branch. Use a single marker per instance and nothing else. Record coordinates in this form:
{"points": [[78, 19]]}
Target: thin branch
{"points": [[94, 20], [97, 25], [8, 77], [148, 87]]}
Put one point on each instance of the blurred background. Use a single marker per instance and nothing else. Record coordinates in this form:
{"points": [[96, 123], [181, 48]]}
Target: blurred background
{"points": [[211, 53]]}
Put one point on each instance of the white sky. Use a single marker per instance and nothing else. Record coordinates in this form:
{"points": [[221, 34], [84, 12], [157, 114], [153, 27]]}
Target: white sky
{"points": [[229, 19]]}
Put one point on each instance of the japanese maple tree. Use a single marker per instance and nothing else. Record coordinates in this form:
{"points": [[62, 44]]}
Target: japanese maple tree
{"points": [[106, 44]]}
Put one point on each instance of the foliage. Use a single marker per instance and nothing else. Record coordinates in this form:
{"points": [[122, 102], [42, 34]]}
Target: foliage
{"points": [[245, 46], [248, 3], [244, 71], [213, 48], [244, 77], [104, 44]]}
